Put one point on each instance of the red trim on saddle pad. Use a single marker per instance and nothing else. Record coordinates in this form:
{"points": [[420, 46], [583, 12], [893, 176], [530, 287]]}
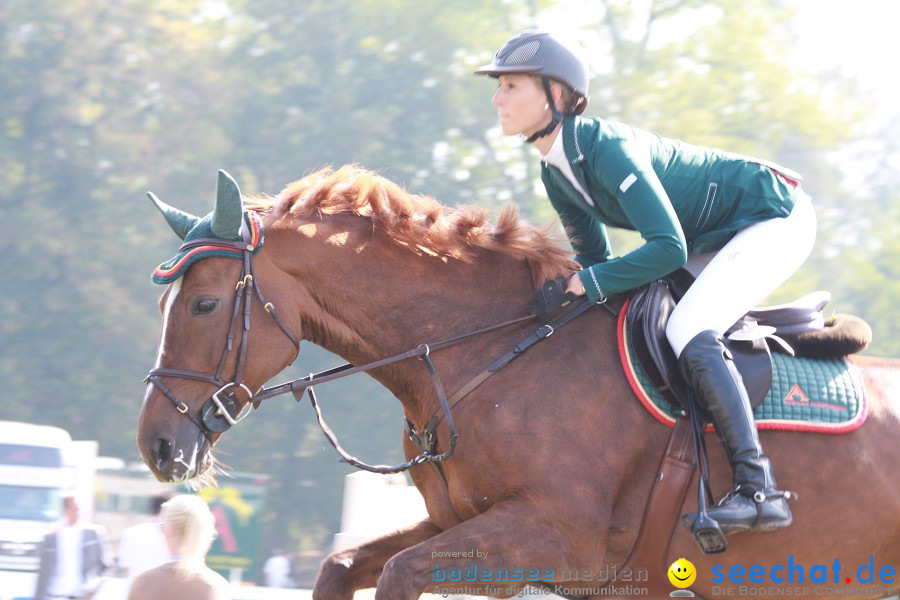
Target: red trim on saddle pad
{"points": [[630, 371]]}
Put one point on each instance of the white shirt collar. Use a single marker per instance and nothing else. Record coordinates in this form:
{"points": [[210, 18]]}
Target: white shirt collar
{"points": [[557, 157], [557, 154]]}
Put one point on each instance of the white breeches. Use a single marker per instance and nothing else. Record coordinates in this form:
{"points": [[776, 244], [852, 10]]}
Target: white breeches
{"points": [[742, 274]]}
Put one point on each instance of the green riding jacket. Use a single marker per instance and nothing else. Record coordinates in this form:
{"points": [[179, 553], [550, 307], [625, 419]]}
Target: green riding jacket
{"points": [[681, 198]]}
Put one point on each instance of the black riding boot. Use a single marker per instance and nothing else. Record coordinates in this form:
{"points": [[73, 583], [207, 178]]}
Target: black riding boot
{"points": [[754, 503]]}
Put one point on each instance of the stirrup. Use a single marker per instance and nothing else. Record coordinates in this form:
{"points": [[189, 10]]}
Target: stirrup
{"points": [[708, 534]]}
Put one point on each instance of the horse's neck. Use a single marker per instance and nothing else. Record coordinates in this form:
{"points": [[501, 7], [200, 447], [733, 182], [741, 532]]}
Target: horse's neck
{"points": [[370, 299], [396, 305]]}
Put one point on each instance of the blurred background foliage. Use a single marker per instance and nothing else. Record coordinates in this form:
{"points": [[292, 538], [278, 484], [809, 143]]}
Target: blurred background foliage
{"points": [[105, 100]]}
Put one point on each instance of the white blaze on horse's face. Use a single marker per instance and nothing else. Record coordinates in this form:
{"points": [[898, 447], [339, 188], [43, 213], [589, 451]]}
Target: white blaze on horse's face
{"points": [[192, 466], [174, 288]]}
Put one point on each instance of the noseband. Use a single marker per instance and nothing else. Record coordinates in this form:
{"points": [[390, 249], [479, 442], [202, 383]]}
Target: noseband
{"points": [[220, 411]]}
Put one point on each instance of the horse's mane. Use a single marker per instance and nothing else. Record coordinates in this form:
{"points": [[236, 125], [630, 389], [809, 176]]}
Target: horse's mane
{"points": [[422, 223]]}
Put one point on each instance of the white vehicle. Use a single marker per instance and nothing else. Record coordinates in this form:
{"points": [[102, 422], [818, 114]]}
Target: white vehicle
{"points": [[36, 468]]}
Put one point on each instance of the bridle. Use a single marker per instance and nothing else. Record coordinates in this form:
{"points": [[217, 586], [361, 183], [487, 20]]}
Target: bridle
{"points": [[219, 412]]}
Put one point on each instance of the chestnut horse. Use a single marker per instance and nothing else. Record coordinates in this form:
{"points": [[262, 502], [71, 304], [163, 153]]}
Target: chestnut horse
{"points": [[554, 459]]}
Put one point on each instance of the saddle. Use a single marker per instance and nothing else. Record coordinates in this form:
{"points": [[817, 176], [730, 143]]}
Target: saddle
{"points": [[750, 339], [797, 325]]}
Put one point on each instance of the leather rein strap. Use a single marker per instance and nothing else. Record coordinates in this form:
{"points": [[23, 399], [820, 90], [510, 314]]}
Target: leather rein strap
{"points": [[428, 440], [428, 437]]}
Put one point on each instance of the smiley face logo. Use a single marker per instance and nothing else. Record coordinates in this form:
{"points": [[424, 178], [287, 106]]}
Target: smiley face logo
{"points": [[682, 573]]}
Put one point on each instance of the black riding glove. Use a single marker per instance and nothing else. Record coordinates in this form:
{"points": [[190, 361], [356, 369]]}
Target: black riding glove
{"points": [[551, 298]]}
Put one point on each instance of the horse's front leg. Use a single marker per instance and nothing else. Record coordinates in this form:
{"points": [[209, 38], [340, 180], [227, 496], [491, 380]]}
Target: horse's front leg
{"points": [[345, 571], [495, 553]]}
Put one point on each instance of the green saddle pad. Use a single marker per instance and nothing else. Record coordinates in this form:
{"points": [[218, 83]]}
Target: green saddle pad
{"points": [[806, 394]]}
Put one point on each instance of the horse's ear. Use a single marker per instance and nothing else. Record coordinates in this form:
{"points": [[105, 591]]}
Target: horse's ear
{"points": [[180, 221], [226, 217]]}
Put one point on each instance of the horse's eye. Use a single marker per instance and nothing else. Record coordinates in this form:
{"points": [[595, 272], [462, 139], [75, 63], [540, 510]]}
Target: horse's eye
{"points": [[205, 306]]}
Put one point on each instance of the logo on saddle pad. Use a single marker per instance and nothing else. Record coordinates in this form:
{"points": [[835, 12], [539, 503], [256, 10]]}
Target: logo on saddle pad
{"points": [[796, 396]]}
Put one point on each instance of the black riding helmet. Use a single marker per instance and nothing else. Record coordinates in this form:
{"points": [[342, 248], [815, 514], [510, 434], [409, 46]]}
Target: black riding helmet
{"points": [[536, 52]]}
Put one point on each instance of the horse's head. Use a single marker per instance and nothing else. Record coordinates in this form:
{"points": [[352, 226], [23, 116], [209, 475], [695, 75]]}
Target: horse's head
{"points": [[207, 365]]}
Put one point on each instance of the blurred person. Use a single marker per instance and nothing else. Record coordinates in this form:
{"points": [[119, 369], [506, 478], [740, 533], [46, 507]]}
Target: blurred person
{"points": [[189, 529], [73, 558], [741, 225], [277, 570], [143, 546]]}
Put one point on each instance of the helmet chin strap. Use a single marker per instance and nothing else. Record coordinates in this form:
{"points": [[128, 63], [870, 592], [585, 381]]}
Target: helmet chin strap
{"points": [[556, 116]]}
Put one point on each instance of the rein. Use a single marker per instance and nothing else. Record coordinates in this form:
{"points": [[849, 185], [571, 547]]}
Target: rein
{"points": [[219, 412], [427, 440], [423, 353]]}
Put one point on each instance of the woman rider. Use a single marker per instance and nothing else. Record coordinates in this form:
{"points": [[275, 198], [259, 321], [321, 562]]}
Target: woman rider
{"points": [[744, 224]]}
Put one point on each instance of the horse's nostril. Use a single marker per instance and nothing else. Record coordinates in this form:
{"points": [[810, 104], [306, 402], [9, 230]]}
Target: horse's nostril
{"points": [[163, 454]]}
